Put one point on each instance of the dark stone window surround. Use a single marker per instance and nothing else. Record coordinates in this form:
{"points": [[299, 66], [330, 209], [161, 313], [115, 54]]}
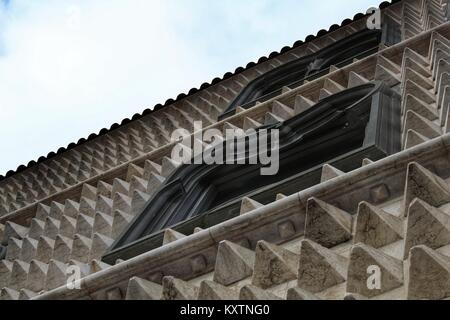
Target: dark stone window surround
{"points": [[368, 128]]}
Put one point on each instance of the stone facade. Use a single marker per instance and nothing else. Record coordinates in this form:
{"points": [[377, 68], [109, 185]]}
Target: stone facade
{"points": [[319, 242]]}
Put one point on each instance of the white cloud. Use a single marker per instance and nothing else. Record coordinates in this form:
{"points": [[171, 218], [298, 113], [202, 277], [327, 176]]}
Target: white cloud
{"points": [[70, 68]]}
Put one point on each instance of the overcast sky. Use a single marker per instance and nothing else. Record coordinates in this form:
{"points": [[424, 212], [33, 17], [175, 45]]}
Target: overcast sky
{"points": [[71, 68]]}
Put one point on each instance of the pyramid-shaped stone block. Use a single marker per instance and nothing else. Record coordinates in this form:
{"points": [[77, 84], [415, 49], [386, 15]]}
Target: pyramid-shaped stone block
{"points": [[327, 225], [427, 226], [274, 265], [320, 268], [141, 289], [371, 272], [233, 263], [176, 289], [376, 227]]}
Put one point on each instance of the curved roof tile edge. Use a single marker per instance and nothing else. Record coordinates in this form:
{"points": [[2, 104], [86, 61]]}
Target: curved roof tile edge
{"points": [[193, 91]]}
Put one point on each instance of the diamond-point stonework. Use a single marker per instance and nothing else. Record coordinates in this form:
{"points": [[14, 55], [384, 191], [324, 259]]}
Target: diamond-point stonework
{"points": [[358, 210]]}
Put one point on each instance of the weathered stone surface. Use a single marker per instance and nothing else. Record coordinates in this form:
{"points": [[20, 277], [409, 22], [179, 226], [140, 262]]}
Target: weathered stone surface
{"points": [[302, 104], [281, 110], [37, 276], [120, 186], [121, 202], [14, 249], [103, 205], [425, 185], [249, 123], [9, 294], [176, 289], [320, 268], [168, 166], [84, 269], [429, 274], [104, 189], [375, 227], [89, 192], [51, 228], [67, 226], [25, 294], [134, 170], [120, 221], [103, 223], [100, 245], [422, 125], [62, 249], [29, 249], [249, 205], [13, 230], [5, 272], [154, 182], [81, 248], [71, 209], [272, 119], [87, 207], [80, 221], [138, 201], [324, 93], [427, 226], [413, 138], [151, 167], [56, 275], [300, 294], [56, 210], [141, 289], [384, 74], [354, 297], [332, 86], [96, 266], [355, 80], [19, 275], [36, 229], [172, 236], [252, 293], [280, 197], [42, 212], [416, 90], [330, 172], [85, 225], [45, 249], [233, 263], [210, 290], [418, 78], [273, 265]]}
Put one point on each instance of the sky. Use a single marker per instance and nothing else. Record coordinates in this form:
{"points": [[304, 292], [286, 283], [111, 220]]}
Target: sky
{"points": [[71, 68]]}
